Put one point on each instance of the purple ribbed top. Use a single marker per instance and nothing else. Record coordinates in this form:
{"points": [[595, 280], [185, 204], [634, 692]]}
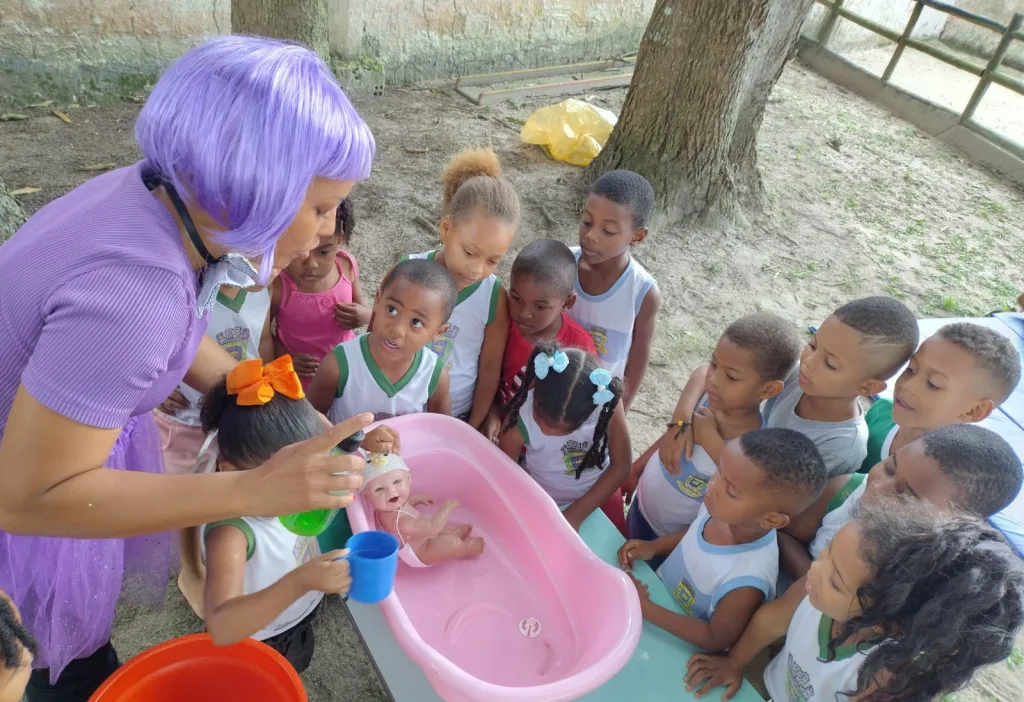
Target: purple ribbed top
{"points": [[97, 304]]}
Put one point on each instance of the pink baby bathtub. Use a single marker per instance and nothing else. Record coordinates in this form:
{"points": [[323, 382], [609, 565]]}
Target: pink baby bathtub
{"points": [[538, 617]]}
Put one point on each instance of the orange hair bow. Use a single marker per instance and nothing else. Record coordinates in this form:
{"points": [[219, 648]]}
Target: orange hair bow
{"points": [[255, 384]]}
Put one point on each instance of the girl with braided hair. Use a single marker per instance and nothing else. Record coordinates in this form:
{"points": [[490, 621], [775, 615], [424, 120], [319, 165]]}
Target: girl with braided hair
{"points": [[17, 648], [569, 417]]}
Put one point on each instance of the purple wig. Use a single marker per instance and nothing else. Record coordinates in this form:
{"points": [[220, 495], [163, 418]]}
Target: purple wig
{"points": [[241, 126]]}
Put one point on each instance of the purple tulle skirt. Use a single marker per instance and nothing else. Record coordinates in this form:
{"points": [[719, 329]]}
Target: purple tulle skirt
{"points": [[68, 589]]}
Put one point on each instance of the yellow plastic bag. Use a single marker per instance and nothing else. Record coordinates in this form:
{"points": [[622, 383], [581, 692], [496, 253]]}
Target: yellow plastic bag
{"points": [[572, 131]]}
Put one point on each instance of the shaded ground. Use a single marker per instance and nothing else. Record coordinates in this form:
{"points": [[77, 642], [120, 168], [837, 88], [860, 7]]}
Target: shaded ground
{"points": [[882, 209]]}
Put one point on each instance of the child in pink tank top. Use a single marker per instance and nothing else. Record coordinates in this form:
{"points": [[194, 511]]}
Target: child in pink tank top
{"points": [[317, 302]]}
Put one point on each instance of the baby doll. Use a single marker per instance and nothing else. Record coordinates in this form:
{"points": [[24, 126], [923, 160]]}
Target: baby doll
{"points": [[425, 540]]}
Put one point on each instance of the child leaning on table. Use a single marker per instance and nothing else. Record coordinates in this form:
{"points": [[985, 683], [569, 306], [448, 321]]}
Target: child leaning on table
{"points": [[748, 366], [263, 581], [722, 567]]}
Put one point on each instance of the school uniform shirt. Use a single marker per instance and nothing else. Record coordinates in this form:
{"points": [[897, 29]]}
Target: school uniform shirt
{"points": [[459, 347], [800, 672], [271, 553], [363, 387], [552, 460], [843, 445], [840, 511], [237, 325], [518, 350], [699, 574], [609, 317], [881, 431], [670, 502]]}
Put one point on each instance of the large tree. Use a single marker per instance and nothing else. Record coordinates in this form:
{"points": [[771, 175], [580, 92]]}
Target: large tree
{"points": [[691, 116], [11, 214], [304, 21]]}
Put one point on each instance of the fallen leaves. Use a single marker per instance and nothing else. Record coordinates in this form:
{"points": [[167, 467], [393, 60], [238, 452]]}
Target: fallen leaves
{"points": [[61, 116], [27, 190], [95, 167], [11, 117]]}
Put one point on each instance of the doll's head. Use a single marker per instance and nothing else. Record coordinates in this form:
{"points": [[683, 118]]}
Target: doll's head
{"points": [[386, 482]]}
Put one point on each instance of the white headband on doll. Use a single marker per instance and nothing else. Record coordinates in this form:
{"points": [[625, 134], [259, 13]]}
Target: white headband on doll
{"points": [[378, 464]]}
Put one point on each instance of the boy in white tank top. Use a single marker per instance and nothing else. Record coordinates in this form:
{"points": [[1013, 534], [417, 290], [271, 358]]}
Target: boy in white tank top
{"points": [[617, 300], [389, 371]]}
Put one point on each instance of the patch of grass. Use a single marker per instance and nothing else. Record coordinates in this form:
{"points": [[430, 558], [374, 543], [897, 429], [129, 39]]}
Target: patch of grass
{"points": [[713, 267], [990, 208], [949, 304], [802, 272]]}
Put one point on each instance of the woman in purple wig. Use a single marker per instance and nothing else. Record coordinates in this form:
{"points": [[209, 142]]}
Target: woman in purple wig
{"points": [[249, 145]]}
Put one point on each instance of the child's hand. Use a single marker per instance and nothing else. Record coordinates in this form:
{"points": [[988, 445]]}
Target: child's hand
{"points": [[383, 439], [573, 517], [305, 364], [706, 671], [418, 500], [328, 573], [641, 589], [705, 427], [673, 449], [174, 403], [491, 428], [351, 315], [635, 550]]}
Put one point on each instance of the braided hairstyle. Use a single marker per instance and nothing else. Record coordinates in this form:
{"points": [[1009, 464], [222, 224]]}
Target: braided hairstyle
{"points": [[566, 400], [344, 222], [948, 595], [13, 636]]}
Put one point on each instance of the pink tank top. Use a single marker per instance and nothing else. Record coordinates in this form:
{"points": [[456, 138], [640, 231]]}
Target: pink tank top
{"points": [[305, 321]]}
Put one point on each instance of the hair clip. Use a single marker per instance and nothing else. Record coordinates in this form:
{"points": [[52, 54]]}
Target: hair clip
{"points": [[558, 360], [255, 384], [602, 379]]}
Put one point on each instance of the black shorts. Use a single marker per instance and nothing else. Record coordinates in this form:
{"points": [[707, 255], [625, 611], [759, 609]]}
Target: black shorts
{"points": [[296, 644], [77, 681]]}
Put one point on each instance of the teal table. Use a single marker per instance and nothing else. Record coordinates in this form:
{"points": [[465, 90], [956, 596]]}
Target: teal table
{"points": [[654, 672]]}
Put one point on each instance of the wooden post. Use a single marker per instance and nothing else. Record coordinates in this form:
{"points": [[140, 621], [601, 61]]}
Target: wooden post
{"points": [[986, 76], [829, 25], [902, 43]]}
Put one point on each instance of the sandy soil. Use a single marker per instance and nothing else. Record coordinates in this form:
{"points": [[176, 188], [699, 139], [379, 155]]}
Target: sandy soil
{"points": [[858, 203]]}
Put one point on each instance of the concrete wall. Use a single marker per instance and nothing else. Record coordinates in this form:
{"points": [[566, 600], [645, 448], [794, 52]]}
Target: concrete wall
{"points": [[425, 39], [78, 46], [892, 14], [980, 41]]}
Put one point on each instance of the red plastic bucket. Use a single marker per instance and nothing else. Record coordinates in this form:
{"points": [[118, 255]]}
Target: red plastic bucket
{"points": [[192, 669]]}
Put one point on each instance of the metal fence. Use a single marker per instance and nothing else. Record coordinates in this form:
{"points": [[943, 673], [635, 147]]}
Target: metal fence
{"points": [[987, 73]]}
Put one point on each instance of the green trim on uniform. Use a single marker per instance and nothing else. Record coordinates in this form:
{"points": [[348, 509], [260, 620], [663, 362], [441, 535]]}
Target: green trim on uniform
{"points": [[879, 421], [522, 431], [435, 377], [390, 389], [467, 292], [242, 526], [342, 358], [495, 294], [234, 305], [844, 493], [842, 652]]}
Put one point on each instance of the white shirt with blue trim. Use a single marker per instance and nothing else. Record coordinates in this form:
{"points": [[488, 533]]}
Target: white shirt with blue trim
{"points": [[609, 317], [699, 574]]}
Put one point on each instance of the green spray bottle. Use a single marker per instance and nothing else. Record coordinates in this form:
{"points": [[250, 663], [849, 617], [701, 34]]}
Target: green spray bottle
{"points": [[315, 521]]}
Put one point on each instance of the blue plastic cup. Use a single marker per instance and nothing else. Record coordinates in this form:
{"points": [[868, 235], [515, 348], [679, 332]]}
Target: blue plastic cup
{"points": [[373, 560]]}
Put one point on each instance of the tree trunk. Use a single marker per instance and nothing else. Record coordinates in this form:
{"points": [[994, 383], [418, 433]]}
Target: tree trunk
{"points": [[11, 214], [303, 21], [690, 120]]}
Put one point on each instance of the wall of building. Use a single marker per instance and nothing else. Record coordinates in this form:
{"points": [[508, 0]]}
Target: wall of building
{"points": [[980, 41], [892, 14]]}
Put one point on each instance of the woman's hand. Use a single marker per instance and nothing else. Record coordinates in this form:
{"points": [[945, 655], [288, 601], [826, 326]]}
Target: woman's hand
{"points": [[383, 439], [176, 402], [706, 671], [302, 476]]}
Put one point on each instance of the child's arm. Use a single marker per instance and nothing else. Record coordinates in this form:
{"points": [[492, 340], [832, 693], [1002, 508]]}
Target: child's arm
{"points": [[275, 305], [266, 347], [705, 672], [732, 615], [612, 477], [637, 469], [324, 386], [639, 550], [511, 442], [488, 374], [440, 401], [794, 560], [707, 434], [674, 447], [231, 615], [355, 314], [640, 348]]}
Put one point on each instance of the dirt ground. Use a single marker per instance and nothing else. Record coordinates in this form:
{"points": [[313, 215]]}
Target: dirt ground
{"points": [[858, 203]]}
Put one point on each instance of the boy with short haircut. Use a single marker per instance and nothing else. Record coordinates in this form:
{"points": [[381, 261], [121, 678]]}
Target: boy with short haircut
{"points": [[390, 372], [617, 299], [852, 355], [960, 467], [724, 566], [752, 358], [958, 375]]}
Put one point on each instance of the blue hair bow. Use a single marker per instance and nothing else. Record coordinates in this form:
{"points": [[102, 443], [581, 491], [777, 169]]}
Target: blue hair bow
{"points": [[558, 360], [602, 379]]}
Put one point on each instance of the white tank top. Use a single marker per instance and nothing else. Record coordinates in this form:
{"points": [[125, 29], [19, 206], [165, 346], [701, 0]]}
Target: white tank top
{"points": [[552, 460], [841, 510], [272, 553], [459, 347], [237, 325], [800, 674], [609, 317], [363, 387]]}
